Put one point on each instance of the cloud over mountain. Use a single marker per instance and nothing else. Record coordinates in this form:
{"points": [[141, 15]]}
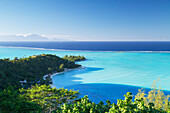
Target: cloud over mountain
{"points": [[33, 37]]}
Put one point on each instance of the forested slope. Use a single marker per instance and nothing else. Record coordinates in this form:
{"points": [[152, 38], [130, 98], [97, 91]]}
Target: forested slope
{"points": [[31, 69]]}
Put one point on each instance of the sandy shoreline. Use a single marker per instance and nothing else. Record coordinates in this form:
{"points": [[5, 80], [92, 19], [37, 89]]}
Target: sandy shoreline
{"points": [[66, 70]]}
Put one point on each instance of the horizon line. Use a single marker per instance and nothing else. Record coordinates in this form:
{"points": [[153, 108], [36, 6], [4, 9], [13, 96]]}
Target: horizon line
{"points": [[92, 41]]}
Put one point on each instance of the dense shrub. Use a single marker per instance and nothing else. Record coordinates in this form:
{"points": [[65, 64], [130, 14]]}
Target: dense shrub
{"points": [[156, 96], [74, 58], [11, 102], [47, 97]]}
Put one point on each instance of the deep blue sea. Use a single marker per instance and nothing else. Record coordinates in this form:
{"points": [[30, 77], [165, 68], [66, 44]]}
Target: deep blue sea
{"points": [[111, 68], [95, 46]]}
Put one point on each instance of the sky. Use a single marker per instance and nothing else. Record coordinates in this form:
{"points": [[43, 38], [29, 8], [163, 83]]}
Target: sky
{"points": [[86, 20]]}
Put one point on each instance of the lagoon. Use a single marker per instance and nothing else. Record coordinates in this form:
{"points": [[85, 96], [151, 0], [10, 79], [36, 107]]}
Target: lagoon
{"points": [[108, 75]]}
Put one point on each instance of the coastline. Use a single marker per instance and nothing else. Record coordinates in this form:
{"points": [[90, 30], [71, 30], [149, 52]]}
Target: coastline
{"points": [[66, 70]]}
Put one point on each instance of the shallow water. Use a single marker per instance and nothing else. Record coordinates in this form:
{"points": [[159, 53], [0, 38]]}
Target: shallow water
{"points": [[108, 75]]}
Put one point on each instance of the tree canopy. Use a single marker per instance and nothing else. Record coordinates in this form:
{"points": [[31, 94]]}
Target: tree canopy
{"points": [[47, 97], [74, 58]]}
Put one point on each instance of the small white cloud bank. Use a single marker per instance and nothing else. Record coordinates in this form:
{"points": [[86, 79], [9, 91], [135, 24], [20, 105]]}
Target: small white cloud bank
{"points": [[34, 37]]}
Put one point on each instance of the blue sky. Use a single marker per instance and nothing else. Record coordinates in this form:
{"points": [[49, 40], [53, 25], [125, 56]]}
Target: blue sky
{"points": [[87, 20]]}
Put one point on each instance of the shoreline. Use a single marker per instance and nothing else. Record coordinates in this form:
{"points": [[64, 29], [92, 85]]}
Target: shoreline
{"points": [[66, 70]]}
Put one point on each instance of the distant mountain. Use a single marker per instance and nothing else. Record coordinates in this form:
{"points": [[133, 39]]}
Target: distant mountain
{"points": [[29, 37]]}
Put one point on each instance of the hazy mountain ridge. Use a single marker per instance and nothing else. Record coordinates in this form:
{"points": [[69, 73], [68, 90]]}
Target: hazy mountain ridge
{"points": [[29, 37]]}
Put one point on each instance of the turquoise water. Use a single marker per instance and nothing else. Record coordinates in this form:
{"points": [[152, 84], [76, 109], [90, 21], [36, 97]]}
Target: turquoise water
{"points": [[107, 74]]}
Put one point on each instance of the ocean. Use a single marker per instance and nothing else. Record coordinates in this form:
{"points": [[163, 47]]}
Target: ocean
{"points": [[95, 46], [111, 68]]}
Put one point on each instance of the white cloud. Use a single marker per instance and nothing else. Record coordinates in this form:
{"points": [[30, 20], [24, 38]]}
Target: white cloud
{"points": [[24, 35]]}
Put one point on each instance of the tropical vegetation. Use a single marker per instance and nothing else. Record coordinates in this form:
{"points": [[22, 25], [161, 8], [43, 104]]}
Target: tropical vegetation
{"points": [[31, 70], [122, 106], [45, 99], [74, 58], [155, 96]]}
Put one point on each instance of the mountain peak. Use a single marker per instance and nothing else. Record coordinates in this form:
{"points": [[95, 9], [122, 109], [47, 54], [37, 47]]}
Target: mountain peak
{"points": [[29, 37]]}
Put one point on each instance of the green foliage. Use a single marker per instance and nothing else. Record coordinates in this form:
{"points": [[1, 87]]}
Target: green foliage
{"points": [[11, 102], [61, 67], [122, 106], [74, 58], [156, 96], [31, 69], [47, 97]]}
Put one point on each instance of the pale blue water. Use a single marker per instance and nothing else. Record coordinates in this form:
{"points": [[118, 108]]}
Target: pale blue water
{"points": [[108, 75]]}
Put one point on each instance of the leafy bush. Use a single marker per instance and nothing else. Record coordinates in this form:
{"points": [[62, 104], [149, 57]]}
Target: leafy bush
{"points": [[156, 96], [11, 102], [47, 97]]}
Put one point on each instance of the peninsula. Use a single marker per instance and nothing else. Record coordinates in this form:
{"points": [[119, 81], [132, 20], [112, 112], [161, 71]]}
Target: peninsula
{"points": [[24, 72]]}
